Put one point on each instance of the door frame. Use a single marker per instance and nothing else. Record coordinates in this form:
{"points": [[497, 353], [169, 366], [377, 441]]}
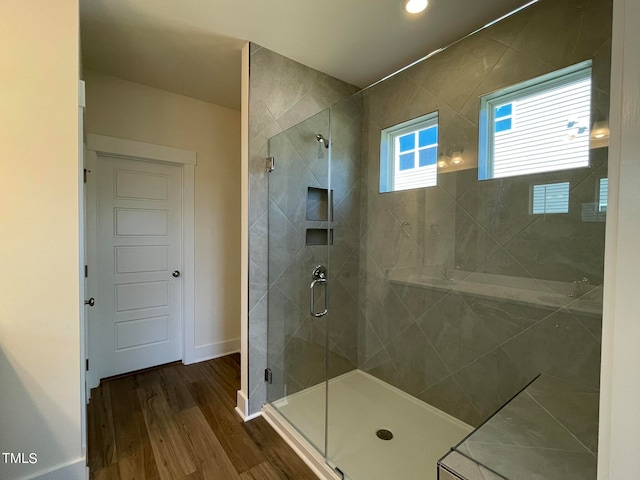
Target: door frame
{"points": [[187, 159]]}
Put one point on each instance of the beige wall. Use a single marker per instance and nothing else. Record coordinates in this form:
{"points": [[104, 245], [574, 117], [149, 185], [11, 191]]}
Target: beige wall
{"points": [[39, 301], [129, 110]]}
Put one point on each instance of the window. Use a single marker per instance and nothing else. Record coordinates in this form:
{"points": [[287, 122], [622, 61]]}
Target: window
{"points": [[602, 195], [597, 211], [409, 154], [550, 198], [541, 125]]}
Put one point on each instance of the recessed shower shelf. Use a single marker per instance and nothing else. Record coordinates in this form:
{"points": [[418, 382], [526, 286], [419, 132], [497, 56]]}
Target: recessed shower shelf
{"points": [[318, 204], [319, 236]]}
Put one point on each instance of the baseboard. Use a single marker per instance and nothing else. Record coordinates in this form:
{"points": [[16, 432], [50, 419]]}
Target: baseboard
{"points": [[213, 350], [72, 471], [309, 455], [242, 405]]}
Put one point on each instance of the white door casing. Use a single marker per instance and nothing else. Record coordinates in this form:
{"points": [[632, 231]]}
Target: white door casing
{"points": [[138, 300]]}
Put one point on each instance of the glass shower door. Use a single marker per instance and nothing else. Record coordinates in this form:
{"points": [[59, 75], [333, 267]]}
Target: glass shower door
{"points": [[299, 237]]}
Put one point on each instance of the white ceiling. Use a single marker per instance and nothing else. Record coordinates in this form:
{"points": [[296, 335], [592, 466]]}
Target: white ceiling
{"points": [[192, 47]]}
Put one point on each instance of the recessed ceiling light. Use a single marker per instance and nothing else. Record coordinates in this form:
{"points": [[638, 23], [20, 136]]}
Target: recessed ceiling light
{"points": [[415, 6]]}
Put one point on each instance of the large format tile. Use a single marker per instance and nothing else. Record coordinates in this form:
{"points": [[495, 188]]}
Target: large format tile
{"points": [[417, 363], [281, 91], [524, 463], [417, 300], [458, 132], [505, 319], [343, 311], [575, 30], [345, 160], [389, 102], [385, 311], [289, 183], [405, 206], [560, 346], [439, 243], [296, 279], [284, 319], [349, 274], [368, 342], [474, 245], [449, 397], [566, 249], [504, 264], [512, 68], [313, 153], [345, 243], [285, 242], [501, 206], [441, 74], [381, 366], [390, 241], [524, 423], [456, 332], [491, 381], [573, 406]]}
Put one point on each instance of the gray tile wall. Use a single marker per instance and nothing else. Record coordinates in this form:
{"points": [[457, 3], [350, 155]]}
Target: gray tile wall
{"points": [[549, 430], [296, 348], [282, 93], [466, 354]]}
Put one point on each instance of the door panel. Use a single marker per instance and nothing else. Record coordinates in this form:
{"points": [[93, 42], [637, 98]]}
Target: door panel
{"points": [[142, 186], [139, 245], [140, 223], [137, 296], [143, 331], [150, 258]]}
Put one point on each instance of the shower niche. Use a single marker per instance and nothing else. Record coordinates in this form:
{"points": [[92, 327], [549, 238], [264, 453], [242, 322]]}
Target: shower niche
{"points": [[318, 208], [318, 236], [319, 204]]}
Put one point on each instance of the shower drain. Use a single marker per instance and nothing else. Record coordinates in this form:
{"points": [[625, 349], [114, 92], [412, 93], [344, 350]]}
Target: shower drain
{"points": [[383, 434]]}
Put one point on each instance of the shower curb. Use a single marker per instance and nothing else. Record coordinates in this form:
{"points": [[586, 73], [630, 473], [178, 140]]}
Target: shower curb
{"points": [[309, 455]]}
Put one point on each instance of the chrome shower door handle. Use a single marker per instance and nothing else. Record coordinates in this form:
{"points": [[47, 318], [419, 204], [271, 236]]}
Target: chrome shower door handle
{"points": [[313, 299]]}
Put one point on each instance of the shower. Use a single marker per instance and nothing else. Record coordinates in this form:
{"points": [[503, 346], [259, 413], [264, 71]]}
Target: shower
{"points": [[322, 140], [437, 304]]}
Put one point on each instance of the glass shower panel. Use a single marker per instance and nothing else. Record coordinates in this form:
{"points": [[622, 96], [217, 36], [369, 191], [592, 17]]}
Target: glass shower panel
{"points": [[344, 278], [300, 209]]}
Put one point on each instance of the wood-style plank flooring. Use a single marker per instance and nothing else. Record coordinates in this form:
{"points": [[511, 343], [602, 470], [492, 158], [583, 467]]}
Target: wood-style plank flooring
{"points": [[177, 422]]}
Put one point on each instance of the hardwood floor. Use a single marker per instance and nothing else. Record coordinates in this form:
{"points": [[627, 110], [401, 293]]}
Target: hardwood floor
{"points": [[177, 422]]}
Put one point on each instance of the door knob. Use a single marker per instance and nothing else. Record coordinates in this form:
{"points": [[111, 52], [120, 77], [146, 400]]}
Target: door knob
{"points": [[176, 273], [91, 302]]}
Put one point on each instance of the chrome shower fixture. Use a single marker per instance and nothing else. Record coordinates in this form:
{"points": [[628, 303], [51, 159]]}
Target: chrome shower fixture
{"points": [[321, 139]]}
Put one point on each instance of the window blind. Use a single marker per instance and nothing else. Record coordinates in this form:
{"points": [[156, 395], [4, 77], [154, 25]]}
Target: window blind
{"points": [[550, 198], [550, 132]]}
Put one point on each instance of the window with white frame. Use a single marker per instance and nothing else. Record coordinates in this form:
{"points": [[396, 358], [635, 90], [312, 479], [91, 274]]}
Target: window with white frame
{"points": [[409, 154], [597, 211], [603, 193], [550, 198], [541, 125]]}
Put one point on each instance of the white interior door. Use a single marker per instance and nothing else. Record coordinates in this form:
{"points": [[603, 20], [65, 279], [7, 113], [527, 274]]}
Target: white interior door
{"points": [[138, 320]]}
